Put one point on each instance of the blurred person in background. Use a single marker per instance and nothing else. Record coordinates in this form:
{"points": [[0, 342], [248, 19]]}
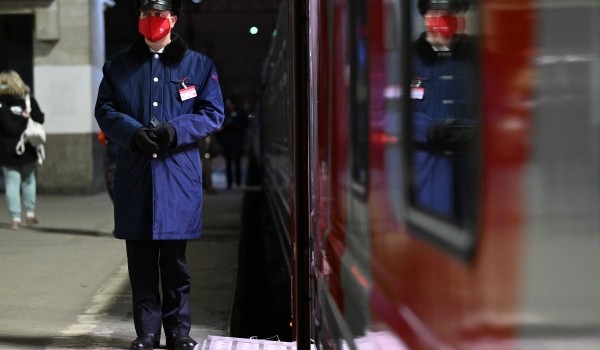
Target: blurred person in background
{"points": [[232, 138], [208, 147], [17, 105]]}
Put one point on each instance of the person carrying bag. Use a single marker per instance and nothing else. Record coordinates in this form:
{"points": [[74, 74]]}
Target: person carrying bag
{"points": [[20, 149]]}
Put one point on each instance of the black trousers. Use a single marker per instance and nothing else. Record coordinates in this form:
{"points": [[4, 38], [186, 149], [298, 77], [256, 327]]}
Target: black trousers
{"points": [[154, 263]]}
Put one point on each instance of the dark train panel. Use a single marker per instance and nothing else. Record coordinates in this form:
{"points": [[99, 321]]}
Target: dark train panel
{"points": [[275, 130], [451, 205]]}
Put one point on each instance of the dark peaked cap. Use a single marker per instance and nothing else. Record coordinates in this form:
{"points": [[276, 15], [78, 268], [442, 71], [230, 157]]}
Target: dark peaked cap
{"points": [[161, 5], [453, 5]]}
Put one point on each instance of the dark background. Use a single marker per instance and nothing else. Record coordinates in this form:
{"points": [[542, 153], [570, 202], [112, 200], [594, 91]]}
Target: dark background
{"points": [[16, 45], [216, 28]]}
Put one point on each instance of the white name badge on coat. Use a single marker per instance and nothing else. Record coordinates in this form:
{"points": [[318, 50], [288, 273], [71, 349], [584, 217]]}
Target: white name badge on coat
{"points": [[417, 93], [187, 93]]}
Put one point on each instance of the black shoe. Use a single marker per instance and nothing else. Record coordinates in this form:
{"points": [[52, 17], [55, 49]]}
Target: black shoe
{"points": [[145, 342], [180, 342]]}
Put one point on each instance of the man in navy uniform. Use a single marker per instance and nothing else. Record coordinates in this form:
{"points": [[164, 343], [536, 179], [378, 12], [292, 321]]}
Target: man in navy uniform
{"points": [[156, 101], [443, 95]]}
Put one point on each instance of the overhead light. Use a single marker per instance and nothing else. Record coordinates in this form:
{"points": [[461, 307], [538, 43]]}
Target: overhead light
{"points": [[253, 30]]}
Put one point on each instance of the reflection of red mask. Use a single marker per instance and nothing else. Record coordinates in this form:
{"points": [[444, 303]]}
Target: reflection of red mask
{"points": [[445, 25], [154, 28]]}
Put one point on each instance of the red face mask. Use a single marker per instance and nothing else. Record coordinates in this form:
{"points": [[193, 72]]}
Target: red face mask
{"points": [[446, 25], [154, 28]]}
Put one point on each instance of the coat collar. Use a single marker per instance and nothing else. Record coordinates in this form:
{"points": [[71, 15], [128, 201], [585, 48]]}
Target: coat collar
{"points": [[461, 48], [172, 53]]}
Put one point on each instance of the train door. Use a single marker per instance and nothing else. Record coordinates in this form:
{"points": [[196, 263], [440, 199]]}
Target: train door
{"points": [[341, 242], [349, 62], [329, 242], [356, 262], [320, 159]]}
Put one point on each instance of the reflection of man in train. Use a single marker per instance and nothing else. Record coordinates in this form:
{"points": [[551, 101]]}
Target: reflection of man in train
{"points": [[443, 102]]}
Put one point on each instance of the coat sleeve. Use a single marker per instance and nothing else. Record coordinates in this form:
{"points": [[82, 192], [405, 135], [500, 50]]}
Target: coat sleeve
{"points": [[36, 113], [118, 126], [208, 112]]}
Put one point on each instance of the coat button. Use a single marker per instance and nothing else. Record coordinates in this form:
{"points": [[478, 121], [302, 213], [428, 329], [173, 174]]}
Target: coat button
{"points": [[155, 79], [156, 56], [155, 104]]}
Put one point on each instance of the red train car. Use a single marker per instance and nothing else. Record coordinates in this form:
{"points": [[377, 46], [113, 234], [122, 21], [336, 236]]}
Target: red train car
{"points": [[490, 241]]}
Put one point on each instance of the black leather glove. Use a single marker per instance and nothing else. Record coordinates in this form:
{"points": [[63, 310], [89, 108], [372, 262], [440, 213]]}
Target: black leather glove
{"points": [[165, 134], [143, 140], [450, 131]]}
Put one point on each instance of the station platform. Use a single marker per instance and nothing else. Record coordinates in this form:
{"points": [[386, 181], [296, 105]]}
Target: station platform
{"points": [[65, 282]]}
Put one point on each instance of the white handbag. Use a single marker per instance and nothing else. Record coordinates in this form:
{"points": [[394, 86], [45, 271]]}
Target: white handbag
{"points": [[35, 134]]}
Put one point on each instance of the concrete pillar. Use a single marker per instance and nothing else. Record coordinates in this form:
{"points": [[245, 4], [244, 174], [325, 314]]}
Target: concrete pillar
{"points": [[68, 58]]}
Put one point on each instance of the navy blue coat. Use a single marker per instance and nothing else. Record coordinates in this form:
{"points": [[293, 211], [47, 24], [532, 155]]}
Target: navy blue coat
{"points": [[161, 198], [444, 106]]}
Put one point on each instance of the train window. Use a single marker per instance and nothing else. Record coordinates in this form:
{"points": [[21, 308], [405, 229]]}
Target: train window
{"points": [[442, 127], [359, 95]]}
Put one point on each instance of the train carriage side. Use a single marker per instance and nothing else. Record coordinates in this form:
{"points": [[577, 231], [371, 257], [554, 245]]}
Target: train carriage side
{"points": [[516, 266]]}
